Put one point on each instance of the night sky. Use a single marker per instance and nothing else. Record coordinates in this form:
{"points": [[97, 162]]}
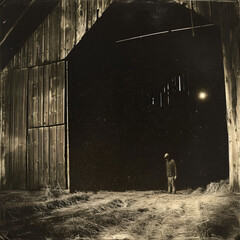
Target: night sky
{"points": [[131, 102]]}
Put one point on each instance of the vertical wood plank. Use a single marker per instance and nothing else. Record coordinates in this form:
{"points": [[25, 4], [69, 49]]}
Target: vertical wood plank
{"points": [[46, 78], [52, 156], [2, 127], [25, 109], [52, 94], [4, 145], [62, 31], [40, 157], [81, 19], [99, 7], [50, 97], [58, 35], [59, 26], [67, 129], [35, 97], [35, 47], [61, 175], [25, 55], [94, 11], [89, 14], [30, 51], [30, 97], [40, 96], [54, 35], [11, 129], [73, 25], [16, 115], [79, 13], [22, 65], [22, 129], [30, 160], [19, 58], [39, 44], [63, 76], [46, 153], [69, 25], [46, 38], [35, 160], [1, 130], [60, 92], [42, 49], [104, 5]]}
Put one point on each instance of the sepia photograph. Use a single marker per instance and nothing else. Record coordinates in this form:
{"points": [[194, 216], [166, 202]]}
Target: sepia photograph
{"points": [[119, 119]]}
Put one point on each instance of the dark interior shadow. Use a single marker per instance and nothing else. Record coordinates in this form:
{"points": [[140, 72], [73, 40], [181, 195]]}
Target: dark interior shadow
{"points": [[131, 102]]}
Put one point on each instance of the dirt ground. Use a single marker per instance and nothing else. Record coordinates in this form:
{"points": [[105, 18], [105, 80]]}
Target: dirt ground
{"points": [[211, 213]]}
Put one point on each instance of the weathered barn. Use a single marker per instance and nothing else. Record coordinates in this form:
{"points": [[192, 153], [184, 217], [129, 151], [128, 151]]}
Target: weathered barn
{"points": [[34, 142], [35, 79]]}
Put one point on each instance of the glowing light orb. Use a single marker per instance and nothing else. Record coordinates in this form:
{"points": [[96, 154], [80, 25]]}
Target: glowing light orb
{"points": [[202, 95]]}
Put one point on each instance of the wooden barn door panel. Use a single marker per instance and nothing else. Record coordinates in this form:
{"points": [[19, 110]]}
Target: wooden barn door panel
{"points": [[46, 157], [46, 126], [46, 95]]}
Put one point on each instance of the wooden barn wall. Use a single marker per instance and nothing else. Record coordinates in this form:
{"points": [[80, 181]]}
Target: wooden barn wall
{"points": [[13, 114], [60, 31], [227, 17], [46, 163], [33, 95]]}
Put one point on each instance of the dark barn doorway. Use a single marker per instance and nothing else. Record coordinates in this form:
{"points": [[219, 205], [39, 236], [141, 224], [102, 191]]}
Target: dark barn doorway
{"points": [[132, 101]]}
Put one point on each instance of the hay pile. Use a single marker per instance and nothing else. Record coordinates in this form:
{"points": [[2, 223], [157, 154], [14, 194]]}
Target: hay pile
{"points": [[211, 213], [218, 187]]}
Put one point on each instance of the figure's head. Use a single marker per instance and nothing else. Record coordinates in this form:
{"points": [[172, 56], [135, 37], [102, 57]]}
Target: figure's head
{"points": [[166, 156]]}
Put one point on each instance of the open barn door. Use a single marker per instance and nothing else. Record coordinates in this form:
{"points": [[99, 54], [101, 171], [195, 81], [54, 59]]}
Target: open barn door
{"points": [[131, 101]]}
